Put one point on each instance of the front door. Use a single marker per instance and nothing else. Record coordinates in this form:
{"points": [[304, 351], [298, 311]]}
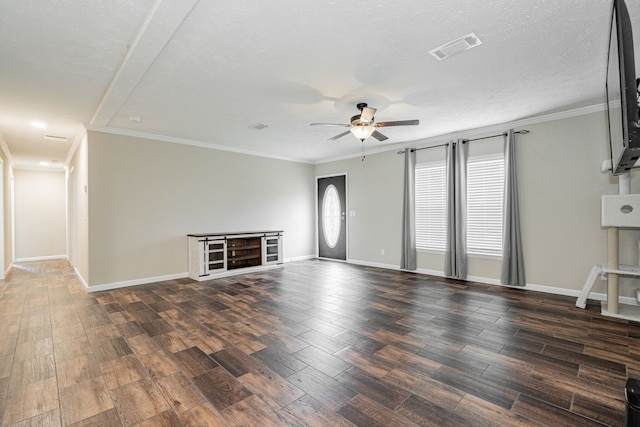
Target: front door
{"points": [[332, 217]]}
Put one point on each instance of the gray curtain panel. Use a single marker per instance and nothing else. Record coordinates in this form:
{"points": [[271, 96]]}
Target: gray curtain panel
{"points": [[512, 257], [408, 256], [455, 261]]}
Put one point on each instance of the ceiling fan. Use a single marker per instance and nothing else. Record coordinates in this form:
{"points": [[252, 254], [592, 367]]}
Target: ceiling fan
{"points": [[363, 126]]}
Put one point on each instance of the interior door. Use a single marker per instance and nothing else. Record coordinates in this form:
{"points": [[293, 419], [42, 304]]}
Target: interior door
{"points": [[332, 217]]}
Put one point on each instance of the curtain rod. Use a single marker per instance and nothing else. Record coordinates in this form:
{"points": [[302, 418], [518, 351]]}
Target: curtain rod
{"points": [[522, 132]]}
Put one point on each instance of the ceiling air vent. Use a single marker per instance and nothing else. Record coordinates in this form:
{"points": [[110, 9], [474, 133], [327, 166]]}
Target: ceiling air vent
{"points": [[455, 46], [56, 138]]}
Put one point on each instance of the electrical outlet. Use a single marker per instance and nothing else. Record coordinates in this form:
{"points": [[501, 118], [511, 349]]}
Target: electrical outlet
{"points": [[381, 251]]}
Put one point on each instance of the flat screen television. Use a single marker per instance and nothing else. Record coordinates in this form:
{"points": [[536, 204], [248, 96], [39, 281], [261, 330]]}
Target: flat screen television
{"points": [[622, 93]]}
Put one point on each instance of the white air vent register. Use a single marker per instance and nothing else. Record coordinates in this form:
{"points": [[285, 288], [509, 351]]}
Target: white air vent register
{"points": [[456, 46]]}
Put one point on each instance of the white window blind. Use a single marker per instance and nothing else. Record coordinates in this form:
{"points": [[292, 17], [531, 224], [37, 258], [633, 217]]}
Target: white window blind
{"points": [[485, 184], [431, 206], [485, 191]]}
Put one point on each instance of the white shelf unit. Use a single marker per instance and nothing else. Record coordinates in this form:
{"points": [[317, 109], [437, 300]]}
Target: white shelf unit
{"points": [[618, 212], [214, 255]]}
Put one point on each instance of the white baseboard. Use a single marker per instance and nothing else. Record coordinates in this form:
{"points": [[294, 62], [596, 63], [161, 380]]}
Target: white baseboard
{"points": [[144, 281], [374, 264], [79, 276], [6, 272], [299, 258], [135, 282], [529, 286], [40, 258], [435, 273]]}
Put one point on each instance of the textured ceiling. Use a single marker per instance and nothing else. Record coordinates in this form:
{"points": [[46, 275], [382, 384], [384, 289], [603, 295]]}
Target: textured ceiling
{"points": [[206, 71]]}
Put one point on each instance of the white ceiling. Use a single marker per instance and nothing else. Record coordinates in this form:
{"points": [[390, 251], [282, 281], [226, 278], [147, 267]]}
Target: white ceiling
{"points": [[206, 71]]}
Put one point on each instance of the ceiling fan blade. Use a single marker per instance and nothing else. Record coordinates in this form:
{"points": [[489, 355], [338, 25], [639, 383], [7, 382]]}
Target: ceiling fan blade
{"points": [[329, 124], [398, 123], [377, 135], [339, 136], [367, 114]]}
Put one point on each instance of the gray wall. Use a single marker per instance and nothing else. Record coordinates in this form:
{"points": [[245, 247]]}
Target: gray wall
{"points": [[145, 196], [374, 192], [559, 165]]}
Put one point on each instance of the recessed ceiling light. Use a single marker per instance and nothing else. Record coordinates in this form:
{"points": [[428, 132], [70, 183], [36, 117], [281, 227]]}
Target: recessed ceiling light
{"points": [[135, 119], [44, 163], [38, 125], [258, 126]]}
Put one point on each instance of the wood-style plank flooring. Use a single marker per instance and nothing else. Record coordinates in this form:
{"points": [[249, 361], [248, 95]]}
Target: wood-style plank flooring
{"points": [[315, 343]]}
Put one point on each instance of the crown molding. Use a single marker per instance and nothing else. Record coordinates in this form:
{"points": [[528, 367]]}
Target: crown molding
{"points": [[5, 150], [502, 127], [369, 151], [183, 141]]}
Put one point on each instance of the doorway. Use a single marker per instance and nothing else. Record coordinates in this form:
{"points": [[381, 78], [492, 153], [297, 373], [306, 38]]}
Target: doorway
{"points": [[2, 244], [332, 221], [71, 217]]}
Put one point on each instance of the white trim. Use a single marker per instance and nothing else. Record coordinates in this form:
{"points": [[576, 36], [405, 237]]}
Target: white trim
{"points": [[144, 281], [435, 273], [54, 169], [237, 272], [40, 258], [468, 133], [533, 287], [12, 209], [299, 258], [346, 207], [374, 264], [6, 272], [3, 198], [321, 258], [5, 150], [80, 136], [487, 281], [79, 276], [70, 197], [370, 148], [561, 115], [134, 282], [182, 141]]}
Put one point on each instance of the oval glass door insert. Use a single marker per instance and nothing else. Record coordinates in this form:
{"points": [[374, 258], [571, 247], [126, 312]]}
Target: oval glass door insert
{"points": [[331, 216]]}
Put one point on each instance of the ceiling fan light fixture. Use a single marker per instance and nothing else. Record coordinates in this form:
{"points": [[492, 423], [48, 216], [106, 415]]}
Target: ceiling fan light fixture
{"points": [[363, 125], [362, 132]]}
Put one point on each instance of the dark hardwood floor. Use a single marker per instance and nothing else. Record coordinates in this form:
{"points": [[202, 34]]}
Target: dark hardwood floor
{"points": [[313, 344]]}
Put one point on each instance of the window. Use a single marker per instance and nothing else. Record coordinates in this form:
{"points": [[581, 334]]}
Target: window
{"points": [[485, 188], [331, 216], [485, 191], [431, 206]]}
